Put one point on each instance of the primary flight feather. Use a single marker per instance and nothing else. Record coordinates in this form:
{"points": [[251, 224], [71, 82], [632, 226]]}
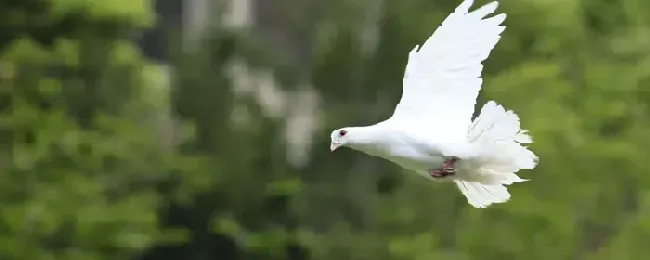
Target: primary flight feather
{"points": [[431, 131]]}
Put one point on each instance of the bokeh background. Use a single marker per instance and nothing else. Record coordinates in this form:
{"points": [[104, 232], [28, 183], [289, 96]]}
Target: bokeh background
{"points": [[199, 129]]}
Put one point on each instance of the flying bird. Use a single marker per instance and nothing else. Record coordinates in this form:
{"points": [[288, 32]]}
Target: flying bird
{"points": [[431, 131]]}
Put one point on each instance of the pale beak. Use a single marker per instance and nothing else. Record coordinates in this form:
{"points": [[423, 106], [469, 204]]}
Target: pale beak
{"points": [[333, 147]]}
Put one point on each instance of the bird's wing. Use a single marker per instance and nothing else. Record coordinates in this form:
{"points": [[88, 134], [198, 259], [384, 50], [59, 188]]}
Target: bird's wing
{"points": [[443, 78]]}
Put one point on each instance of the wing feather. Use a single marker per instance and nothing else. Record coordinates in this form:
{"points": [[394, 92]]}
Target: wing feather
{"points": [[443, 78]]}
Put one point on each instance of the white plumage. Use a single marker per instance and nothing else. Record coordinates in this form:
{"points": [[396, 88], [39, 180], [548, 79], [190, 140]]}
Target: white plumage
{"points": [[432, 121]]}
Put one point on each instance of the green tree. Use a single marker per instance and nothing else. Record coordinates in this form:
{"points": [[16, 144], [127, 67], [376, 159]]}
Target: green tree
{"points": [[84, 166], [89, 173]]}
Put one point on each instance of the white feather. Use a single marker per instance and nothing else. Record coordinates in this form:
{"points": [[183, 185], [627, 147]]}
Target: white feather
{"points": [[481, 195], [441, 83], [433, 118], [443, 78], [484, 178]]}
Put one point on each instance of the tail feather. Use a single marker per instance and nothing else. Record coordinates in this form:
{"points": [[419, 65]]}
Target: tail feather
{"points": [[492, 177], [499, 132], [481, 195]]}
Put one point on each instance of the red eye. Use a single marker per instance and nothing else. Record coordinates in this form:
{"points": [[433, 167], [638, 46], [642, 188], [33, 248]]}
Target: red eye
{"points": [[342, 132]]}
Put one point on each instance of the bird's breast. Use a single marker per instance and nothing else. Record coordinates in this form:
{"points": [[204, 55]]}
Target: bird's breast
{"points": [[418, 163], [407, 156]]}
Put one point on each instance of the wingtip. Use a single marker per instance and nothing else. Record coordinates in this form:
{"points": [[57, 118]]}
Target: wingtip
{"points": [[486, 9], [464, 6], [467, 4]]}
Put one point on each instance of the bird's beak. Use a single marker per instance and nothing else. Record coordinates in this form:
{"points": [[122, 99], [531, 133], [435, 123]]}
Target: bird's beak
{"points": [[333, 146]]}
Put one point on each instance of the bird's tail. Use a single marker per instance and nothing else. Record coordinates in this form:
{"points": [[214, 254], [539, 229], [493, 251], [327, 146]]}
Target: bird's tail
{"points": [[497, 131]]}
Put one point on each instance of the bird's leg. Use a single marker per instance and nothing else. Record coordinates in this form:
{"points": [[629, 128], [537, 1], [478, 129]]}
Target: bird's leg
{"points": [[449, 165], [447, 168]]}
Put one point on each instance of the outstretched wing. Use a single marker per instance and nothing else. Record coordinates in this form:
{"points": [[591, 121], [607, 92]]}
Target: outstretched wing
{"points": [[443, 78]]}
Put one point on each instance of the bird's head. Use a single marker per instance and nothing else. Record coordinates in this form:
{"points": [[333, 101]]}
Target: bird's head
{"points": [[358, 137], [341, 137]]}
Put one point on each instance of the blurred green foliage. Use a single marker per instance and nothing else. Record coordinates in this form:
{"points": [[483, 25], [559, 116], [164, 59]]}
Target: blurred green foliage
{"points": [[98, 161]]}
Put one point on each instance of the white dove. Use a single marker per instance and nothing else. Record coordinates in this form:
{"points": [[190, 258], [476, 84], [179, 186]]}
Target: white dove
{"points": [[431, 131]]}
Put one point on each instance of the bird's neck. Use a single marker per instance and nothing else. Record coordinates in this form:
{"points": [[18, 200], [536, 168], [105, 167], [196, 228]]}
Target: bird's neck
{"points": [[368, 138]]}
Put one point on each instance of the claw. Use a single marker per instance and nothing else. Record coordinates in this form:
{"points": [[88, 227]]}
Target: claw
{"points": [[447, 168], [449, 163], [438, 173]]}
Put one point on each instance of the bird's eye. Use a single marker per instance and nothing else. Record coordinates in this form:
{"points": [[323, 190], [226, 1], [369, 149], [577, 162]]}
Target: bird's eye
{"points": [[342, 132]]}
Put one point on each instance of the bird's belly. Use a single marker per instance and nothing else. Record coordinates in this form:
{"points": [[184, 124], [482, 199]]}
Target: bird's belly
{"points": [[407, 157], [418, 163]]}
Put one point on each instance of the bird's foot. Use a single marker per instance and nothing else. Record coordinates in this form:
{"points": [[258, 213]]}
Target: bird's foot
{"points": [[447, 168], [440, 173]]}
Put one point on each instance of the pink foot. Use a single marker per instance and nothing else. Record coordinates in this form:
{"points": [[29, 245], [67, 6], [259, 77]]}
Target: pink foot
{"points": [[447, 168]]}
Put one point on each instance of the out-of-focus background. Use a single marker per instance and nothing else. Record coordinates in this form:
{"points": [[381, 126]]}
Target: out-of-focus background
{"points": [[199, 129]]}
